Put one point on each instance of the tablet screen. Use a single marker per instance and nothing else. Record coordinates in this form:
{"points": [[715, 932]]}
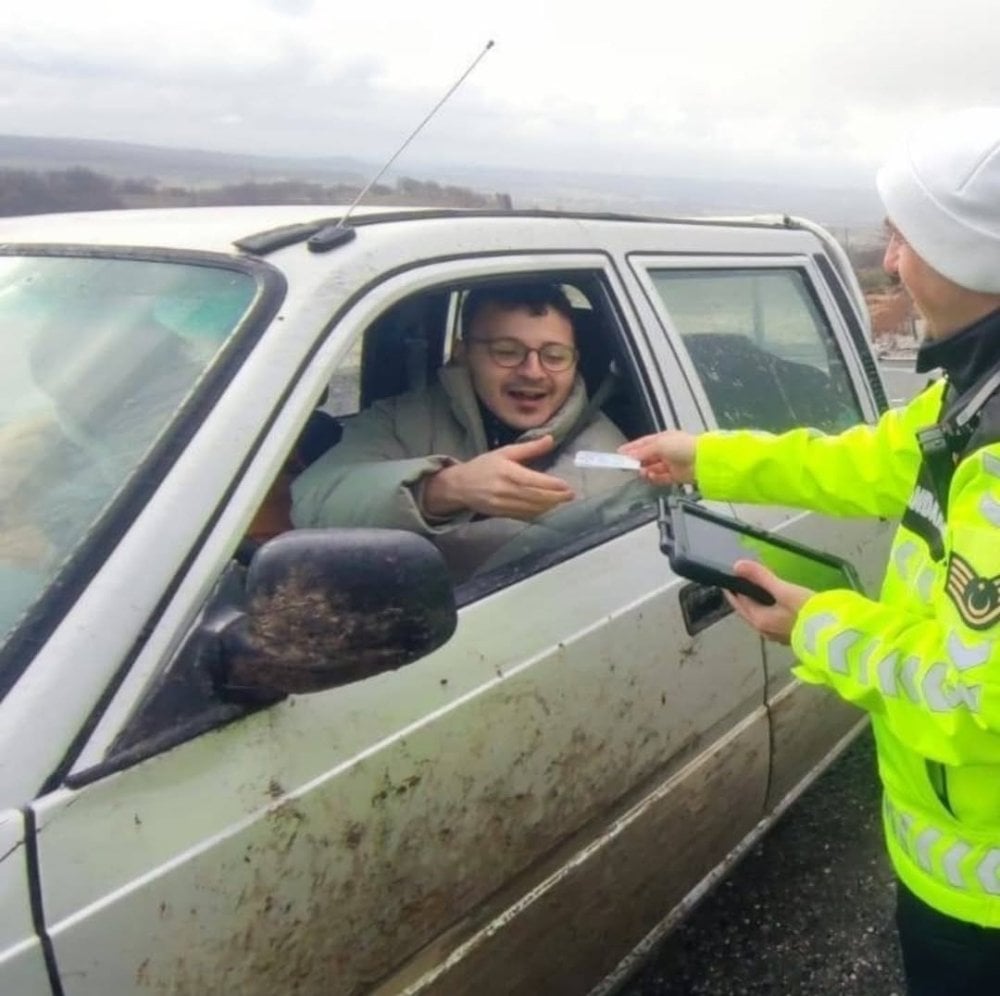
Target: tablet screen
{"points": [[719, 545]]}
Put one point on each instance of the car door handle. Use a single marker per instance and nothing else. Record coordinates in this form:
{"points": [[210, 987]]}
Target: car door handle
{"points": [[702, 605]]}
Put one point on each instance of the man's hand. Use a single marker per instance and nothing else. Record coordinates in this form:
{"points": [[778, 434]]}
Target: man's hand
{"points": [[666, 457], [496, 484], [773, 622]]}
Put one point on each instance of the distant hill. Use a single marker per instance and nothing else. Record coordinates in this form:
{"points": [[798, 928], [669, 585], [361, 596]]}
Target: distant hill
{"points": [[185, 166], [839, 208], [855, 207]]}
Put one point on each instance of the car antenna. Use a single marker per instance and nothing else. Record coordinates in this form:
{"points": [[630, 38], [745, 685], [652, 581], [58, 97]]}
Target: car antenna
{"points": [[334, 235]]}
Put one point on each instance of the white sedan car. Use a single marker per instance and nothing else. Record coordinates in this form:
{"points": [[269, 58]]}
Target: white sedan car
{"points": [[237, 757]]}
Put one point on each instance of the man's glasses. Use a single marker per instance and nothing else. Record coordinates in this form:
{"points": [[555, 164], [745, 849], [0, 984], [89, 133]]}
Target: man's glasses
{"points": [[554, 356]]}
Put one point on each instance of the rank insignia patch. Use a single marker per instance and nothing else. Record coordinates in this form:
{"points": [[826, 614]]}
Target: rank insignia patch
{"points": [[977, 599]]}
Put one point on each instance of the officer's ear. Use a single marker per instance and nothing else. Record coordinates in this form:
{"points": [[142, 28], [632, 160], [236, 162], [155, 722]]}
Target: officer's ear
{"points": [[459, 353]]}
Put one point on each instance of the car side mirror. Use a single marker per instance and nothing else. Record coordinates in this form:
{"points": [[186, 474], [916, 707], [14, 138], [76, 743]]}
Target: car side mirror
{"points": [[325, 607]]}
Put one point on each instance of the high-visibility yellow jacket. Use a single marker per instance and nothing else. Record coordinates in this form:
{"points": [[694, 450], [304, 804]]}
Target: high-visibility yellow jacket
{"points": [[924, 659]]}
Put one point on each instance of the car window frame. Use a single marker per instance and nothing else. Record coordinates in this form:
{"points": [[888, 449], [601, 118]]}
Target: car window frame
{"points": [[46, 612]]}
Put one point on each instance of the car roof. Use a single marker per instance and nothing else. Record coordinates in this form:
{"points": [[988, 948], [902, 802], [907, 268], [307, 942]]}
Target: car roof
{"points": [[220, 229], [204, 228]]}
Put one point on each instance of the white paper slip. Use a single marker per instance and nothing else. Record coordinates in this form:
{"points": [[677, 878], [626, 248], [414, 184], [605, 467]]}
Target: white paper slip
{"points": [[606, 461]]}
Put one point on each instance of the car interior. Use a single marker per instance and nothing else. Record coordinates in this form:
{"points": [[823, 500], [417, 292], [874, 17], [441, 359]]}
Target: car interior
{"points": [[402, 351], [750, 387]]}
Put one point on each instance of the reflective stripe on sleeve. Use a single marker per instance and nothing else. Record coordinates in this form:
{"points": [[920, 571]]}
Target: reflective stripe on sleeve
{"points": [[990, 509], [942, 687], [838, 647], [902, 556], [887, 673], [943, 696], [946, 857], [814, 626], [964, 657], [925, 583]]}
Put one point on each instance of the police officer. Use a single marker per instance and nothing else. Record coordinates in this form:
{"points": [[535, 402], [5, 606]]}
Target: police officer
{"points": [[924, 658]]}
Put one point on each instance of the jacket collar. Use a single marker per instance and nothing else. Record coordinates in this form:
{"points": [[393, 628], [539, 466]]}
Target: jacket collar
{"points": [[965, 355], [457, 385]]}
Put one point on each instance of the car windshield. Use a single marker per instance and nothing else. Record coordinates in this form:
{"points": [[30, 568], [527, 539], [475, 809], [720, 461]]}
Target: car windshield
{"points": [[96, 356]]}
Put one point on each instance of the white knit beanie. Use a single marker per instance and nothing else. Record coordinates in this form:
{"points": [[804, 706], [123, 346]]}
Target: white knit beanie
{"points": [[943, 194]]}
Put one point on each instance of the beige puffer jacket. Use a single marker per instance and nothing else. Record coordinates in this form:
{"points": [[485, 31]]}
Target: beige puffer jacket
{"points": [[368, 478]]}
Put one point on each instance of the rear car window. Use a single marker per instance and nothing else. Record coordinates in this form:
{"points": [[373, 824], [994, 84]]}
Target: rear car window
{"points": [[762, 348], [96, 356]]}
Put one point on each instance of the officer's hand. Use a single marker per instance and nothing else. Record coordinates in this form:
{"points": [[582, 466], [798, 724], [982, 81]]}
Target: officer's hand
{"points": [[666, 457], [773, 622], [497, 484]]}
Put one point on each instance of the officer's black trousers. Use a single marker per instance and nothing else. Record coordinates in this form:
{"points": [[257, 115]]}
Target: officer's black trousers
{"points": [[943, 956]]}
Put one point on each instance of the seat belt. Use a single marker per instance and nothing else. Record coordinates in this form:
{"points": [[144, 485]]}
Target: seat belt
{"points": [[605, 389]]}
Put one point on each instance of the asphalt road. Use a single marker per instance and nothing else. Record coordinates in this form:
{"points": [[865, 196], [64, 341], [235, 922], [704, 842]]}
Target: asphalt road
{"points": [[808, 912]]}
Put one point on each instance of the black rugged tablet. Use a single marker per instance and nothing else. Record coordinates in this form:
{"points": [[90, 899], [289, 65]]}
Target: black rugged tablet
{"points": [[703, 546]]}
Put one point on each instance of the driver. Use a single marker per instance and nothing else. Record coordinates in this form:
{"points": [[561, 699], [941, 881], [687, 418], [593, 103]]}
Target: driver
{"points": [[484, 450]]}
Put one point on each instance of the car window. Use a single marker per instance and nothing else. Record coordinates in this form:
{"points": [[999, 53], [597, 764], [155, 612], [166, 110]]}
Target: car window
{"points": [[96, 355], [761, 346], [415, 403]]}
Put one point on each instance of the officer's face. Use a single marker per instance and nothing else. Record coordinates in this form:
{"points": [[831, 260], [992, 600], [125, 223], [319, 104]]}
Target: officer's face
{"points": [[945, 306]]}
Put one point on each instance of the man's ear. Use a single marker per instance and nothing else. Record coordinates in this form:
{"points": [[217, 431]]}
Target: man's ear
{"points": [[458, 353]]}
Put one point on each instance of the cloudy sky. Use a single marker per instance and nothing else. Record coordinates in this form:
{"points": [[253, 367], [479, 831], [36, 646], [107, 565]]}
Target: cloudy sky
{"points": [[744, 88]]}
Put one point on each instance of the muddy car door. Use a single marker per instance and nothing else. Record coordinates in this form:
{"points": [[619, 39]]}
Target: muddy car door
{"points": [[22, 961], [769, 342], [569, 765]]}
